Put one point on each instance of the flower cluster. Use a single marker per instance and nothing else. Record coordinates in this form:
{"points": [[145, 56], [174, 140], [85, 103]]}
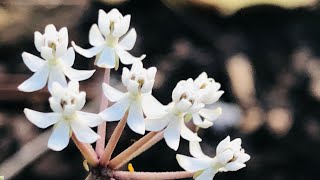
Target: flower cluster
{"points": [[140, 110]]}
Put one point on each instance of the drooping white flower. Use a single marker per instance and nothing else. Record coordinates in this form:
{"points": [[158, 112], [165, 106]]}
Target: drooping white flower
{"points": [[184, 100], [66, 103], [138, 100], [230, 156], [109, 41], [209, 93], [55, 63]]}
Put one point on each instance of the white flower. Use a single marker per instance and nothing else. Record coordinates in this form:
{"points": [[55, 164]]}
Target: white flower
{"points": [[138, 100], [67, 117], [208, 88], [56, 63], [208, 93], [185, 100], [229, 157], [105, 39]]}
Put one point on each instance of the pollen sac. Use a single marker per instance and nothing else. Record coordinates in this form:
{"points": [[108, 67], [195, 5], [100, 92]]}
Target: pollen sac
{"points": [[67, 100], [138, 79]]}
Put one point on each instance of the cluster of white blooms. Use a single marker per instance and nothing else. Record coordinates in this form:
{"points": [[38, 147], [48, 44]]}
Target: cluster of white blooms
{"points": [[111, 39], [189, 100], [230, 156]]}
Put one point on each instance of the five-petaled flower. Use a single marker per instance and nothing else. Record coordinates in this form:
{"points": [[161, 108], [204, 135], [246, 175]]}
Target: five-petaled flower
{"points": [[66, 102], [105, 37], [56, 63], [230, 156], [189, 99], [138, 100]]}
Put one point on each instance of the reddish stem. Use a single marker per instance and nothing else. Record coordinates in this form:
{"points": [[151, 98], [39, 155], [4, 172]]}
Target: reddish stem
{"points": [[100, 144], [105, 158], [122, 175], [87, 151]]}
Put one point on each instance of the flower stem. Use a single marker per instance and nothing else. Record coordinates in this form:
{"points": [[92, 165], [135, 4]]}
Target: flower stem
{"points": [[105, 158], [87, 151], [102, 127], [121, 175], [136, 149]]}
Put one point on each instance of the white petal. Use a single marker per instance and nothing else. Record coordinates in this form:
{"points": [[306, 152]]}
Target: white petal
{"points": [[56, 75], [116, 111], [187, 134], [208, 174], [83, 133], [111, 93], [73, 86], [191, 164], [104, 22], [42, 120], [60, 136], [199, 122], [37, 81], [225, 156], [50, 30], [88, 53], [157, 124], [89, 119], [151, 72], [126, 58], [128, 41], [57, 89], [107, 59], [135, 118], [38, 40], [46, 53], [152, 108], [147, 86], [68, 57], [63, 36], [234, 166], [133, 87], [55, 105], [77, 75], [210, 114], [61, 49], [243, 158], [95, 36], [125, 77], [120, 28], [223, 145], [81, 100], [33, 62], [172, 134], [195, 150]]}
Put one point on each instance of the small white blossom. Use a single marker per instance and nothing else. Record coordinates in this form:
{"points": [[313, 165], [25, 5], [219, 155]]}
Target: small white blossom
{"points": [[56, 63], [66, 102], [184, 100], [105, 37], [230, 156], [138, 100], [208, 88]]}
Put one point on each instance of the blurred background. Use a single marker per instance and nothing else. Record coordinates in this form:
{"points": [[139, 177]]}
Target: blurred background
{"points": [[265, 53]]}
